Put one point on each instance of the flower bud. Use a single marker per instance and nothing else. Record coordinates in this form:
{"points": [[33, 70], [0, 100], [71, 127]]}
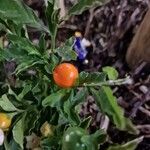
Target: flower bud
{"points": [[46, 129]]}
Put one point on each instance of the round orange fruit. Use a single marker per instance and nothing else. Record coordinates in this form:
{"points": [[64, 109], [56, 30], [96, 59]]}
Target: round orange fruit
{"points": [[5, 121], [65, 75]]}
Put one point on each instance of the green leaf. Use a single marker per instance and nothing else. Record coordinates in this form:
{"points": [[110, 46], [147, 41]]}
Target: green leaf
{"points": [[72, 114], [127, 146], [24, 53], [21, 57], [89, 78], [49, 143], [26, 65], [83, 5], [18, 132], [3, 25], [111, 72], [70, 111], [52, 13], [30, 121], [2, 55], [92, 141], [6, 105], [25, 90], [42, 44], [108, 104], [15, 53], [7, 145], [79, 97], [54, 119], [54, 99], [24, 44], [19, 13], [99, 136], [53, 62], [66, 51], [12, 114], [12, 145], [130, 127], [1, 42], [72, 102], [11, 92]]}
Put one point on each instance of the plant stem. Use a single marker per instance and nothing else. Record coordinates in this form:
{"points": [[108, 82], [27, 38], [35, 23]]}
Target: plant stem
{"points": [[127, 80], [53, 44], [53, 40]]}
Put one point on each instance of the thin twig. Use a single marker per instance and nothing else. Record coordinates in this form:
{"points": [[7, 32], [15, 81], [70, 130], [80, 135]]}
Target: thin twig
{"points": [[89, 22], [144, 128], [139, 68], [68, 26], [146, 136], [145, 111], [105, 123]]}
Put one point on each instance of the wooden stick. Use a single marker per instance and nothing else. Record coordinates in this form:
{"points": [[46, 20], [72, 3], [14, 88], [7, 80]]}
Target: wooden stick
{"points": [[139, 49]]}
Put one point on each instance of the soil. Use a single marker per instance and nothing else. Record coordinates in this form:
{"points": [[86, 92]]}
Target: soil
{"points": [[110, 31]]}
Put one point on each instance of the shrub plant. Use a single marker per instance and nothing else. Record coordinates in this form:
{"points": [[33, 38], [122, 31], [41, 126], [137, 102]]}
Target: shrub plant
{"points": [[41, 91]]}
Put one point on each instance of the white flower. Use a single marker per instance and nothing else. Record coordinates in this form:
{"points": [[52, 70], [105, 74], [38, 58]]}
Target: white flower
{"points": [[86, 42], [33, 141], [1, 137]]}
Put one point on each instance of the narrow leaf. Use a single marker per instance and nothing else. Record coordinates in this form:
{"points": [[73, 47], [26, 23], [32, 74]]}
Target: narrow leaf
{"points": [[42, 44], [127, 146], [18, 133], [70, 111], [24, 44], [6, 105], [79, 97], [26, 65], [89, 78], [52, 13], [53, 99], [19, 13], [108, 104], [92, 141], [25, 90], [83, 5], [53, 62], [11, 92], [66, 51]]}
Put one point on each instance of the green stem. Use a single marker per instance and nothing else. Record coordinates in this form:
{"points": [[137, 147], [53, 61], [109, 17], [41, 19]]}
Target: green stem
{"points": [[110, 82], [53, 40], [53, 44]]}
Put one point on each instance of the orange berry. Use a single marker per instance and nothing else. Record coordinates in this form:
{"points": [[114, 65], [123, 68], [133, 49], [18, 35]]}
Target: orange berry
{"points": [[65, 75], [5, 121]]}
